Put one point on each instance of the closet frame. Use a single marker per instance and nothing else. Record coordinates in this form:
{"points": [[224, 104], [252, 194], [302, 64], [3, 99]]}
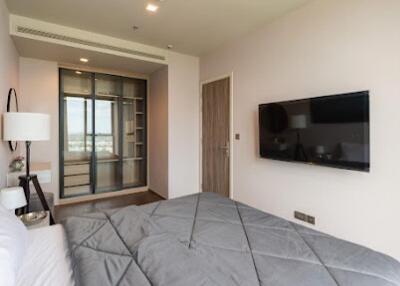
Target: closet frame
{"points": [[138, 115]]}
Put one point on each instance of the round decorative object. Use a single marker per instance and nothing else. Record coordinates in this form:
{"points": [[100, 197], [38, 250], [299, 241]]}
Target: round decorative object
{"points": [[33, 217], [12, 106]]}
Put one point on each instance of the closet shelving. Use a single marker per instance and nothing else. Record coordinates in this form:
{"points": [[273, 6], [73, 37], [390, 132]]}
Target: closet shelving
{"points": [[119, 120]]}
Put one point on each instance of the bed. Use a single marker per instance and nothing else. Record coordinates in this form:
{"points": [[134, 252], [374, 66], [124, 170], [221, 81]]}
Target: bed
{"points": [[205, 239], [47, 259], [35, 257]]}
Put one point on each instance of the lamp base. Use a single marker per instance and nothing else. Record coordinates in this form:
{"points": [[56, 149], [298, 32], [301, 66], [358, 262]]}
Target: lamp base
{"points": [[300, 153], [24, 182]]}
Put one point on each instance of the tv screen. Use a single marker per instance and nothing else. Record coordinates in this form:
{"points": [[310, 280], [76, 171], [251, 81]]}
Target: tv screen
{"points": [[330, 131]]}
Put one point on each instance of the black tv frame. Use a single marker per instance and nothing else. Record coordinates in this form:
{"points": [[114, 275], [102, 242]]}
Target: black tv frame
{"points": [[352, 166]]}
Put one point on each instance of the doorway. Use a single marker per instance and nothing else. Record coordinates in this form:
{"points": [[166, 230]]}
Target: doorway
{"points": [[216, 137]]}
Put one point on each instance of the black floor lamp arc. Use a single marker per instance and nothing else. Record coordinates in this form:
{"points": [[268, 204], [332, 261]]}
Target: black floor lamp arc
{"points": [[28, 127]]}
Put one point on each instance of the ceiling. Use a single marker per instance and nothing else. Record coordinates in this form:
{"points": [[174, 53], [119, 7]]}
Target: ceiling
{"points": [[192, 26]]}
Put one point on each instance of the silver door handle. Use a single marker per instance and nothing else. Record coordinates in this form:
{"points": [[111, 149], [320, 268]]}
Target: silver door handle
{"points": [[226, 149]]}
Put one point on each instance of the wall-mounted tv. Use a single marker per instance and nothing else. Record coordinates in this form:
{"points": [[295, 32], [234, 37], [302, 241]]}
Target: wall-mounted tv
{"points": [[329, 131]]}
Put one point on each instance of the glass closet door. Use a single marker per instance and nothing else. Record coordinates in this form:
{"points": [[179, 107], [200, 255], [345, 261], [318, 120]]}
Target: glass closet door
{"points": [[103, 131], [76, 110], [107, 127]]}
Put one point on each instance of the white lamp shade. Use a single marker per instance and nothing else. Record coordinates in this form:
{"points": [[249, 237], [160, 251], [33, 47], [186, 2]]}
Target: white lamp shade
{"points": [[13, 198], [20, 126], [298, 121]]}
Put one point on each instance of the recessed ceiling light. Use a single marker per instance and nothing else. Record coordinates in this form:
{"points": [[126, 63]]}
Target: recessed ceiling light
{"points": [[170, 47], [83, 60], [151, 7], [78, 72]]}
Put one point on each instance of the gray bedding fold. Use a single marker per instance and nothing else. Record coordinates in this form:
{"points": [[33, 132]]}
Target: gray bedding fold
{"points": [[209, 240]]}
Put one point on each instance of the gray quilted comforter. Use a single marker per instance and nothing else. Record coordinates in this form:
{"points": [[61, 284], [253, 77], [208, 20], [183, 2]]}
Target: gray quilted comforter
{"points": [[209, 240]]}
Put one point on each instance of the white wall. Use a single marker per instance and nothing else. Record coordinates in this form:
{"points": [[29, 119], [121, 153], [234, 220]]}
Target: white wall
{"points": [[39, 90], [8, 79], [324, 48], [158, 132], [183, 125]]}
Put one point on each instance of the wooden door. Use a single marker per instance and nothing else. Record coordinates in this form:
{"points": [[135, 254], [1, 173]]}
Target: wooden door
{"points": [[215, 137]]}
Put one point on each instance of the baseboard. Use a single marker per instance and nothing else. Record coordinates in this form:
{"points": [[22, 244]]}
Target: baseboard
{"points": [[94, 197], [154, 192]]}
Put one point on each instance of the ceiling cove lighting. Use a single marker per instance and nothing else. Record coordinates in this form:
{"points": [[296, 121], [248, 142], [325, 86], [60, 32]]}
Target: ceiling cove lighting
{"points": [[83, 60], [151, 7], [78, 72]]}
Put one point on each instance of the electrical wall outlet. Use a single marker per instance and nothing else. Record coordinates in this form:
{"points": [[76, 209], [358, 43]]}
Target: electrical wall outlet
{"points": [[304, 217], [311, 219], [300, 216]]}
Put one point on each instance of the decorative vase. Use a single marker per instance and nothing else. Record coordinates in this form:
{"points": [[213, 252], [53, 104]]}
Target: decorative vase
{"points": [[17, 164]]}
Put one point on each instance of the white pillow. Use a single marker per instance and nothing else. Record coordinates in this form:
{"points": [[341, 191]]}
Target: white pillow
{"points": [[13, 245]]}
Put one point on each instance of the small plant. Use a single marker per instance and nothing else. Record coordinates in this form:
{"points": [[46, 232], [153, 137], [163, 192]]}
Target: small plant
{"points": [[17, 164]]}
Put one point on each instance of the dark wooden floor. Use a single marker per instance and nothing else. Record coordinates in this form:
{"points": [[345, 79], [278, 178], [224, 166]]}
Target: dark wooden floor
{"points": [[142, 198]]}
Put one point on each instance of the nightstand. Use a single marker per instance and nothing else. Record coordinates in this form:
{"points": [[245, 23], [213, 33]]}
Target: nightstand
{"points": [[42, 170], [44, 222]]}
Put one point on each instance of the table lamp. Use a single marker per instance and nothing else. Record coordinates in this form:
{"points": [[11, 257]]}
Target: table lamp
{"points": [[13, 198], [28, 127]]}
